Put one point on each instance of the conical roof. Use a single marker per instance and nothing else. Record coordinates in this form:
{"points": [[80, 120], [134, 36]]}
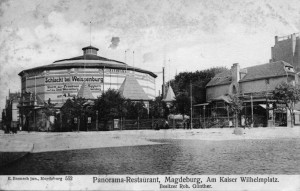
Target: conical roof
{"points": [[170, 96], [132, 90], [85, 92]]}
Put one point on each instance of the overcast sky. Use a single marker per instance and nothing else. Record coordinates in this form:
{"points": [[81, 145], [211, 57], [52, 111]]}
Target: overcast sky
{"points": [[192, 34]]}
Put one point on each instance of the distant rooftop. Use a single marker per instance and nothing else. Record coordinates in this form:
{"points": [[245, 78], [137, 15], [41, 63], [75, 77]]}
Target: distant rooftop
{"points": [[85, 92], [132, 90], [170, 96]]}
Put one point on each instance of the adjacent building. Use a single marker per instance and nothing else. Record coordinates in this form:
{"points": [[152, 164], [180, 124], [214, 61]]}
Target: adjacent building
{"points": [[254, 86], [287, 48], [10, 114]]}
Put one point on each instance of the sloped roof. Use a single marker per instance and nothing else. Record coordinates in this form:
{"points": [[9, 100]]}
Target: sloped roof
{"points": [[86, 61], [90, 61], [170, 96], [85, 92], [89, 57], [132, 90], [90, 47], [221, 79], [268, 70]]}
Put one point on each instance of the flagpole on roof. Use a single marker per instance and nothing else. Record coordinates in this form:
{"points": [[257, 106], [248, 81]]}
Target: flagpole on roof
{"points": [[90, 33], [133, 62], [103, 79], [126, 61], [169, 71]]}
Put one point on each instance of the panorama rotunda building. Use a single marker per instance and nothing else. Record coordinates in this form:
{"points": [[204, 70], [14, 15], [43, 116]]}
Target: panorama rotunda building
{"points": [[86, 76]]}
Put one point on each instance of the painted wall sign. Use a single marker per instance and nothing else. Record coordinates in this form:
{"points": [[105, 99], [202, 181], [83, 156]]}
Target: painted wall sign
{"points": [[71, 87], [73, 79]]}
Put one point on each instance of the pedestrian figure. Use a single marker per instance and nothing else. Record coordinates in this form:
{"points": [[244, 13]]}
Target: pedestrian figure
{"points": [[8, 127], [15, 129], [184, 123], [166, 124], [156, 126], [188, 124]]}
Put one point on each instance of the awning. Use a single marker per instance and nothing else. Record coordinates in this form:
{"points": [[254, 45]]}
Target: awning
{"points": [[178, 116], [202, 104], [263, 106], [296, 111], [225, 98]]}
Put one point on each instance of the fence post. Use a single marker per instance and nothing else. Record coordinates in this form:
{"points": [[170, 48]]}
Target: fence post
{"points": [[138, 122], [152, 123], [173, 122], [78, 125], [121, 123]]}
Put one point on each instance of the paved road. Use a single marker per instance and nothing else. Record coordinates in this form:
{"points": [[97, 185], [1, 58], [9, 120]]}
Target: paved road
{"points": [[269, 156]]}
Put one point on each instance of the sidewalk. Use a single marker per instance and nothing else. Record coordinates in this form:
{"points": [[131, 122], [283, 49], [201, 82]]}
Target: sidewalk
{"points": [[12, 150], [53, 141]]}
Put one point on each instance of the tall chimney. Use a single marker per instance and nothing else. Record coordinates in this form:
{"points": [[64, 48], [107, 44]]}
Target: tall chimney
{"points": [[235, 72]]}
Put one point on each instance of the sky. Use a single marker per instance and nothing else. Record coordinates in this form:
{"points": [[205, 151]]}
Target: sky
{"points": [[180, 35]]}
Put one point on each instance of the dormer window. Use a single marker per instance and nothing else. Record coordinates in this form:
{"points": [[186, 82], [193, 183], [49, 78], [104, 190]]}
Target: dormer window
{"points": [[289, 69]]}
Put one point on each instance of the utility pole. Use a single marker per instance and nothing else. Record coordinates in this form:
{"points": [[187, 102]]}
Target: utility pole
{"points": [[97, 120], [251, 111], [163, 85], [191, 92]]}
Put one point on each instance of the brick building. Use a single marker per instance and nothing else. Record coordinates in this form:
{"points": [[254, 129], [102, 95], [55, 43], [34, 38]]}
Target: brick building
{"points": [[254, 86], [287, 48]]}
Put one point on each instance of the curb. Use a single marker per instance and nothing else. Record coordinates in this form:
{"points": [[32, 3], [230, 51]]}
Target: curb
{"points": [[7, 158]]}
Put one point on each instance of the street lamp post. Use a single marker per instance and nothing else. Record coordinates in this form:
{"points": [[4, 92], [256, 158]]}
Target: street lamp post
{"points": [[251, 111], [97, 120], [191, 100], [204, 116], [191, 104], [60, 118], [78, 122]]}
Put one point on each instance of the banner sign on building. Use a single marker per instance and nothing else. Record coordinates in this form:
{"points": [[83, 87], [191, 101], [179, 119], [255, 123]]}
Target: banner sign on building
{"points": [[73, 79], [71, 87]]}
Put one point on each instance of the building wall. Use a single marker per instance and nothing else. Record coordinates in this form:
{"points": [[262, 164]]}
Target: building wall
{"points": [[260, 85], [283, 50], [15, 111], [60, 85], [287, 49], [11, 111], [216, 91]]}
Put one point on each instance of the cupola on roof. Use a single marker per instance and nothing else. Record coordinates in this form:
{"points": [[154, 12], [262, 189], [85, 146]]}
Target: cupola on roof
{"points": [[90, 50]]}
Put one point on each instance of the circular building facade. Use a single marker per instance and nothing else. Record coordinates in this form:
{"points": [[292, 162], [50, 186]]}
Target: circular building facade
{"points": [[64, 79]]}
